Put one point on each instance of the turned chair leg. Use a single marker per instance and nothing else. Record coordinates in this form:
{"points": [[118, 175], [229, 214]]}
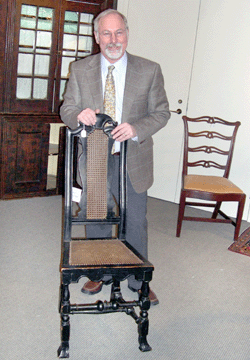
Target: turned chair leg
{"points": [[143, 322], [63, 351]]}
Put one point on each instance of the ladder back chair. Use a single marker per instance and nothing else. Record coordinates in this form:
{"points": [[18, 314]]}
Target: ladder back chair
{"points": [[208, 147], [97, 258]]}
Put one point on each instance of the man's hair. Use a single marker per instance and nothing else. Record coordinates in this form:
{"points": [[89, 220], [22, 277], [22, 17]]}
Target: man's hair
{"points": [[105, 13]]}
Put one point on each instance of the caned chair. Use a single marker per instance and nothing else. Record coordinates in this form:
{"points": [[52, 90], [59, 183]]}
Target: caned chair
{"points": [[208, 147], [97, 258]]}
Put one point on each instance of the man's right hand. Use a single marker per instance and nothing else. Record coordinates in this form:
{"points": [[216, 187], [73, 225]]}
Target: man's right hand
{"points": [[88, 116]]}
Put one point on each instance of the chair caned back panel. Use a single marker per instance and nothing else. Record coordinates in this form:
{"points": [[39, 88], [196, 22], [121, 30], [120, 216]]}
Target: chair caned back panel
{"points": [[97, 158]]}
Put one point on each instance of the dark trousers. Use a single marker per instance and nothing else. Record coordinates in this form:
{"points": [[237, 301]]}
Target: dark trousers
{"points": [[136, 222]]}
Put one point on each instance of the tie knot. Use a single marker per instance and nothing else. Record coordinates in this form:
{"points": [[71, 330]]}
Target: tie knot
{"points": [[110, 68]]}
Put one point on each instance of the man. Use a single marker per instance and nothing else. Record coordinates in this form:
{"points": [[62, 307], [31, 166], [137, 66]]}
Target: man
{"points": [[141, 109]]}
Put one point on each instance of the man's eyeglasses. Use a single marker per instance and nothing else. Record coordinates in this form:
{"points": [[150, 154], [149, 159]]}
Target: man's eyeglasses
{"points": [[118, 33]]}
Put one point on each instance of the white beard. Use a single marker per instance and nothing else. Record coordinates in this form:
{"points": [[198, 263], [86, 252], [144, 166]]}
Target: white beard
{"points": [[114, 55]]}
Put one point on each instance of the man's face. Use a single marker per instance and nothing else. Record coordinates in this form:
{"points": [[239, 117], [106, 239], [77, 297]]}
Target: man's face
{"points": [[112, 37]]}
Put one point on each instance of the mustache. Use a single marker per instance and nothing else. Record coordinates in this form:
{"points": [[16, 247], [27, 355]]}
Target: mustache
{"points": [[112, 46]]}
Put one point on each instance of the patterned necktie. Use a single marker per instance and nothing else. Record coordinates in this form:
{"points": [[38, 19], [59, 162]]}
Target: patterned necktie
{"points": [[109, 94]]}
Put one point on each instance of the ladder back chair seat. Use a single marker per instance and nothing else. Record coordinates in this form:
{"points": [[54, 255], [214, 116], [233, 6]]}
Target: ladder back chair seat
{"points": [[98, 258], [208, 145]]}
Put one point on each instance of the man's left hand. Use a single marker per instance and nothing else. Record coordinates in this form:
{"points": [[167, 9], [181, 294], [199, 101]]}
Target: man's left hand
{"points": [[123, 132]]}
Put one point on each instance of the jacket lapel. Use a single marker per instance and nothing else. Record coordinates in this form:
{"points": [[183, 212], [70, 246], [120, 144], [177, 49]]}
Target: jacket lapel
{"points": [[94, 79], [132, 79]]}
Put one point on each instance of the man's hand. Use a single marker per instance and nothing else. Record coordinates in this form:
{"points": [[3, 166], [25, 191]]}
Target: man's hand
{"points": [[88, 116], [123, 132]]}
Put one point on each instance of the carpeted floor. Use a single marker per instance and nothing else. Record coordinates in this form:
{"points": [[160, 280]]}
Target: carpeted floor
{"points": [[204, 311]]}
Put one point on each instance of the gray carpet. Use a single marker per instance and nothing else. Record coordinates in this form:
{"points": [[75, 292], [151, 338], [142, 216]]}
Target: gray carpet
{"points": [[204, 311]]}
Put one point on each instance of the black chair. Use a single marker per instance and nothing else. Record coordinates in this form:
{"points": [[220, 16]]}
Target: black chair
{"points": [[96, 258], [208, 145]]}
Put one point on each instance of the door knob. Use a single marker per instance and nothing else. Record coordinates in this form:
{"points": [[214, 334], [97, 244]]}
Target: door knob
{"points": [[178, 111]]}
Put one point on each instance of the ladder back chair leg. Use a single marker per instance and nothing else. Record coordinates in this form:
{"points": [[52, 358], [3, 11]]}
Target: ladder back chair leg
{"points": [[181, 214], [239, 217], [216, 210]]}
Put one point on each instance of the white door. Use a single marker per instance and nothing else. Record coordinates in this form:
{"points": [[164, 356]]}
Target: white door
{"points": [[220, 84], [165, 32]]}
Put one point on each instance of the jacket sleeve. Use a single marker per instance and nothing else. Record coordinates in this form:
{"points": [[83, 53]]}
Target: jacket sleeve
{"points": [[71, 106], [158, 112]]}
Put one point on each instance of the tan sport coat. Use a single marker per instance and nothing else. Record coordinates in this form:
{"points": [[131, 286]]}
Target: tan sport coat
{"points": [[145, 106]]}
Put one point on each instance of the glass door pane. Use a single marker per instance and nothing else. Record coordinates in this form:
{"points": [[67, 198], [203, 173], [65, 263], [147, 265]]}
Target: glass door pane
{"points": [[34, 55], [77, 41]]}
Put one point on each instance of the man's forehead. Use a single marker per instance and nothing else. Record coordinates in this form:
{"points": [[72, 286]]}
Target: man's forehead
{"points": [[111, 21]]}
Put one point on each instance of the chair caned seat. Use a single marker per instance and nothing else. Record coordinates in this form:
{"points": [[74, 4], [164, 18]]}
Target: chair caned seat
{"points": [[215, 184], [101, 252]]}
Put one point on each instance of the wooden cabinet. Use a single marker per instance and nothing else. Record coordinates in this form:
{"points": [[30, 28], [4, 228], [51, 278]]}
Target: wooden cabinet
{"points": [[40, 39]]}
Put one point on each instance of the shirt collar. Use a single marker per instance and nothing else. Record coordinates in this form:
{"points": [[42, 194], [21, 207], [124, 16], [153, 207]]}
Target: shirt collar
{"points": [[119, 65]]}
